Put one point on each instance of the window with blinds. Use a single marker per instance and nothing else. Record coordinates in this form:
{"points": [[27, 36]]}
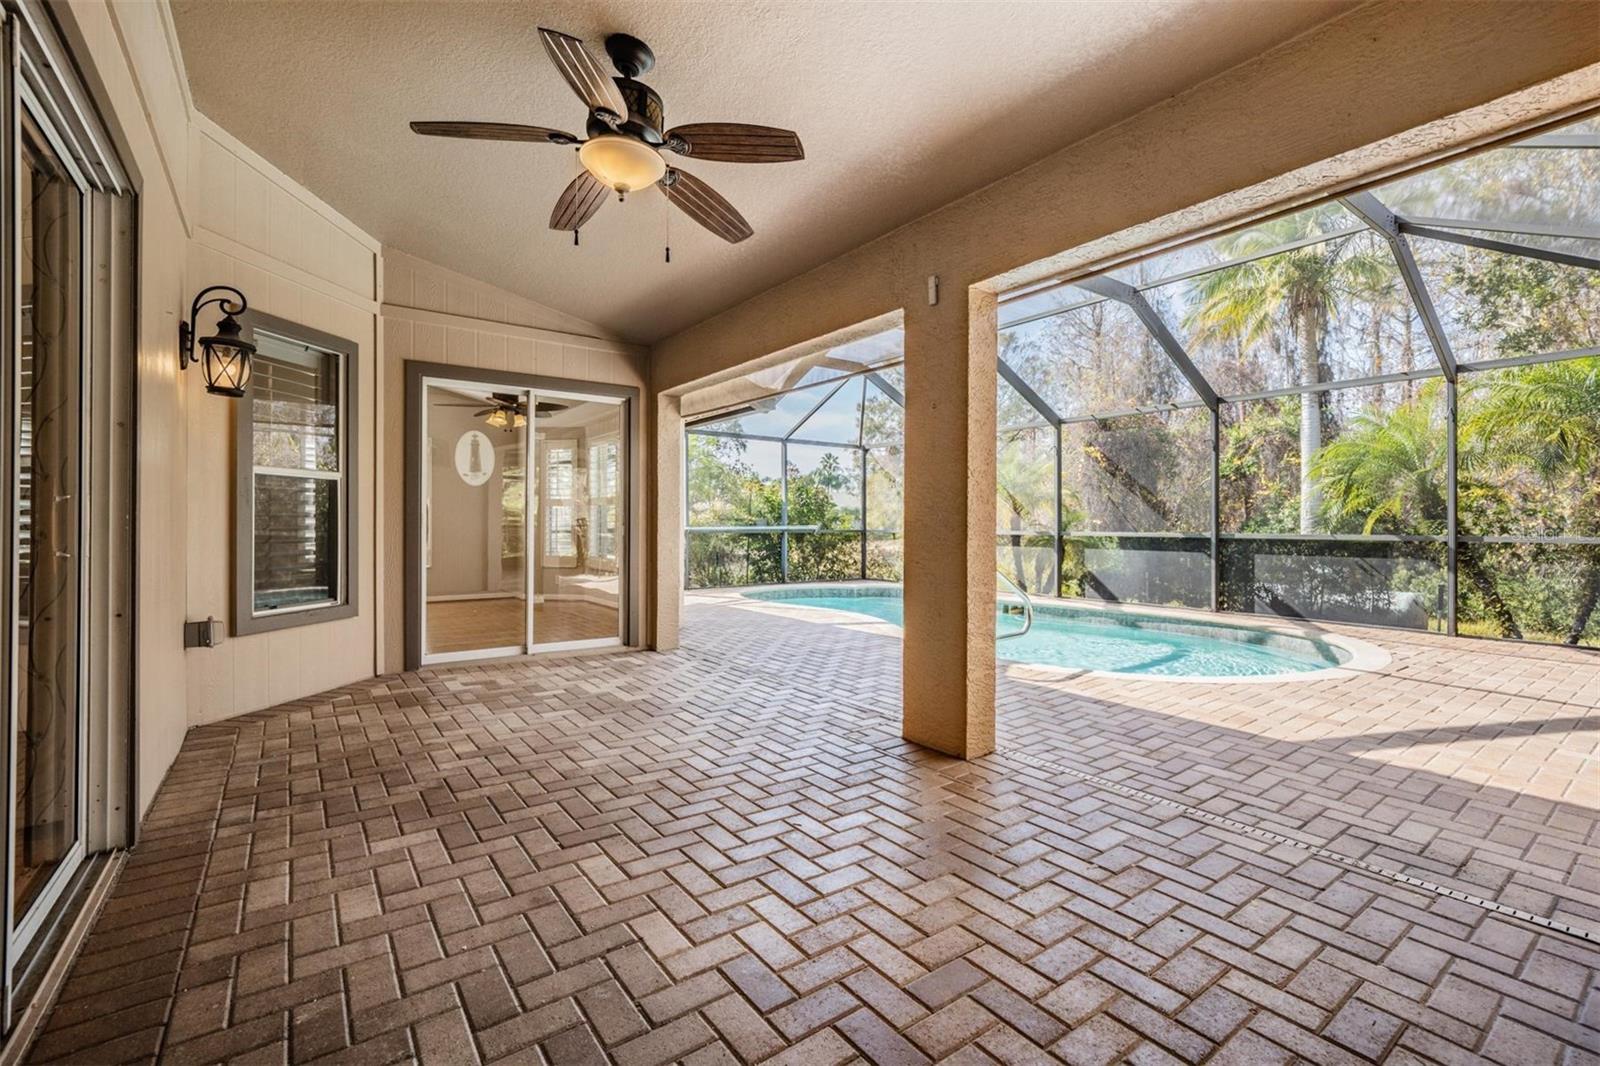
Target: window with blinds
{"points": [[299, 465], [603, 457], [560, 461]]}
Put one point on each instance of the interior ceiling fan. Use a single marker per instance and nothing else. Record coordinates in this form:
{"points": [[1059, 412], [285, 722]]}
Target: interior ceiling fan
{"points": [[624, 139], [508, 410]]}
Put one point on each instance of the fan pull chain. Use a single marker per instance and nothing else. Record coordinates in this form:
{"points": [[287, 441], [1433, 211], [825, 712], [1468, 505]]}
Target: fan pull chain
{"points": [[666, 208], [578, 170]]}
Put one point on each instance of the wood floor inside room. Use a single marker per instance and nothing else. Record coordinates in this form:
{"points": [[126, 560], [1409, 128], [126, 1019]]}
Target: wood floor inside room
{"points": [[470, 625]]}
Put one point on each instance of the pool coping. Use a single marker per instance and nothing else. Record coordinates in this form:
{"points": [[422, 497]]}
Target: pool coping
{"points": [[1363, 656]]}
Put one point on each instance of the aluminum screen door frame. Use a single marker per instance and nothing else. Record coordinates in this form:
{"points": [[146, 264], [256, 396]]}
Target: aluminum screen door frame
{"points": [[1393, 228], [630, 562]]}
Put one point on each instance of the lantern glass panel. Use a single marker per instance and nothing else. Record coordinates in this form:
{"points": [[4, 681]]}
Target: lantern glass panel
{"points": [[227, 367]]}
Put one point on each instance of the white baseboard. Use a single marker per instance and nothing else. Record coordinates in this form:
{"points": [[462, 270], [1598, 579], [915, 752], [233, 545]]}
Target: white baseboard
{"points": [[568, 597], [456, 597]]}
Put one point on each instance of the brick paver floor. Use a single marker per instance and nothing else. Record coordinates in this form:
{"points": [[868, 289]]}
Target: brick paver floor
{"points": [[727, 854]]}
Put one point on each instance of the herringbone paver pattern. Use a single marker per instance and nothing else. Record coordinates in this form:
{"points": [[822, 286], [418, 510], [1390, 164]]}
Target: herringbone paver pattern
{"points": [[726, 854]]}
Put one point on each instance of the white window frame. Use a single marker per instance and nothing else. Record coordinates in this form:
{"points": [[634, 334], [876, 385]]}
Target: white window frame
{"points": [[600, 443], [549, 501]]}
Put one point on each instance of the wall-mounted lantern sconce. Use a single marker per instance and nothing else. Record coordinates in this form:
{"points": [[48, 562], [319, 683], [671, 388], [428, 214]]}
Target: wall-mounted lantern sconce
{"points": [[225, 356]]}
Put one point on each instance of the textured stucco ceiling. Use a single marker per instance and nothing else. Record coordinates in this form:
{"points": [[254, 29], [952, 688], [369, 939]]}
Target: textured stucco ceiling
{"points": [[903, 106]]}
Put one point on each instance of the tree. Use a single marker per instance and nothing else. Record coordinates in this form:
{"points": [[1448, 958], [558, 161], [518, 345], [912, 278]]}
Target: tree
{"points": [[1545, 418], [1025, 501], [1288, 297], [1387, 470], [1524, 305], [726, 489], [834, 551], [1258, 462]]}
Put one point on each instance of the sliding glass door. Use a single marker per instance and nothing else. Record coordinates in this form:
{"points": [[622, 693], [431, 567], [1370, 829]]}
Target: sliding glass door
{"points": [[67, 415], [45, 393], [521, 526], [579, 532], [475, 524]]}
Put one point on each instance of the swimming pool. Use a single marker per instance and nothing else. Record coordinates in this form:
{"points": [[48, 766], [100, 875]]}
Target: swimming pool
{"points": [[1088, 638]]}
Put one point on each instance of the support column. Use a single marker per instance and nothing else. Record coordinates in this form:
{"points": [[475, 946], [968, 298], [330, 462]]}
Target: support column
{"points": [[666, 603], [949, 656]]}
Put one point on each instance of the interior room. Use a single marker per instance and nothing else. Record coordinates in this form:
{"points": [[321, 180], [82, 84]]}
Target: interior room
{"points": [[834, 532], [518, 515]]}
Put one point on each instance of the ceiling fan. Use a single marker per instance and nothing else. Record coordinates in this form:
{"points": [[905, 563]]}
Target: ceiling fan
{"points": [[508, 410], [621, 151]]}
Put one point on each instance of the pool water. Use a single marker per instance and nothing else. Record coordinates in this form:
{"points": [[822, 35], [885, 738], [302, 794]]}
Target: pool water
{"points": [[1086, 639]]}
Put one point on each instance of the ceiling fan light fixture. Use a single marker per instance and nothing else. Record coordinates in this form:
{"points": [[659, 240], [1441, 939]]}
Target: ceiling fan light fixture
{"points": [[501, 418], [626, 124], [622, 163]]}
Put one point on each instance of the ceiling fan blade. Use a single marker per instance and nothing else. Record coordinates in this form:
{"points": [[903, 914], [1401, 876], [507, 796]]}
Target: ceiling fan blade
{"points": [[584, 73], [493, 131], [578, 202], [735, 142], [705, 205]]}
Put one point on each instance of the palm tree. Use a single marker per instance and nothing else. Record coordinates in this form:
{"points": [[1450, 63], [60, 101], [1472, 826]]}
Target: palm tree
{"points": [[1546, 418], [1388, 472], [1290, 296], [1023, 501]]}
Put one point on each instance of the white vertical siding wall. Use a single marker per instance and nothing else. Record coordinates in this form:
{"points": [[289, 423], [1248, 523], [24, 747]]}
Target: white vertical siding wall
{"points": [[128, 58], [211, 211], [296, 258], [435, 315]]}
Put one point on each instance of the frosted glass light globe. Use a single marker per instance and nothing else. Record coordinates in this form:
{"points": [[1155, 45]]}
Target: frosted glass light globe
{"points": [[622, 163]]}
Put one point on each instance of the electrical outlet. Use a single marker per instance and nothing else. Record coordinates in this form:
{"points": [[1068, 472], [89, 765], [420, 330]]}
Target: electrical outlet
{"points": [[206, 634]]}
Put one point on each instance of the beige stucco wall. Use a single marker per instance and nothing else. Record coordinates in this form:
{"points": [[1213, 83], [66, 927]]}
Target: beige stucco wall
{"points": [[948, 657], [1331, 108], [1385, 87]]}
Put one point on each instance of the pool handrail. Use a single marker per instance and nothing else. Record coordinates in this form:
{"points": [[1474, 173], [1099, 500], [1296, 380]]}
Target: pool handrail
{"points": [[1027, 609]]}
